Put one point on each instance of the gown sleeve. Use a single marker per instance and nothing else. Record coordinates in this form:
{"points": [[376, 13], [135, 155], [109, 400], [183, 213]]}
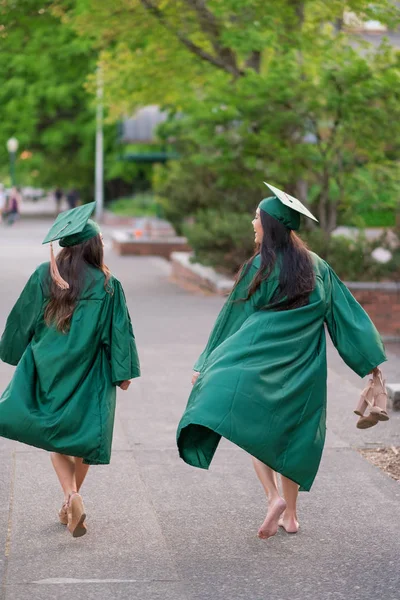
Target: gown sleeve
{"points": [[233, 314], [350, 328], [20, 326], [122, 346]]}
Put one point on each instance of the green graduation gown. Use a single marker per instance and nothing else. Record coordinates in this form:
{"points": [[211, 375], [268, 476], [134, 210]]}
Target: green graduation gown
{"points": [[263, 374], [62, 396]]}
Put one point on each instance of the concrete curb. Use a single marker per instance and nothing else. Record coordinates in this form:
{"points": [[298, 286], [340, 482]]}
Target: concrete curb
{"points": [[204, 277], [393, 390]]}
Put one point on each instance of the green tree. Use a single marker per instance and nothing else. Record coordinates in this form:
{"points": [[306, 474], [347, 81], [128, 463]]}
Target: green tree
{"points": [[268, 90], [43, 68], [44, 101]]}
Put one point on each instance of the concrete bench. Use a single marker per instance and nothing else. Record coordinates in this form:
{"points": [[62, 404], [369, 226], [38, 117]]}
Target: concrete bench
{"points": [[125, 243]]}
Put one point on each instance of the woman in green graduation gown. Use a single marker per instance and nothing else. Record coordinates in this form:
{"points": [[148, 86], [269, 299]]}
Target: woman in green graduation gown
{"points": [[261, 380], [71, 337]]}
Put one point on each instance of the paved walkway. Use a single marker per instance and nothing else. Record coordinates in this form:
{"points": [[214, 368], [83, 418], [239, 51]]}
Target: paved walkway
{"points": [[42, 208], [161, 530]]}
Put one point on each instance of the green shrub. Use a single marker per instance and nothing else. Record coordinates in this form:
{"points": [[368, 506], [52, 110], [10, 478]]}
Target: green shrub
{"points": [[369, 218], [351, 259], [140, 205], [186, 189], [223, 241]]}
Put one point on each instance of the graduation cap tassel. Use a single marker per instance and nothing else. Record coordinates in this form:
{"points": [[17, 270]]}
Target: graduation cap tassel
{"points": [[55, 273]]}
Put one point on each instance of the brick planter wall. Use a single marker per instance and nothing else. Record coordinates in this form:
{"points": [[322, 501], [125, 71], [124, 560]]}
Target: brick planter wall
{"points": [[164, 247], [381, 300]]}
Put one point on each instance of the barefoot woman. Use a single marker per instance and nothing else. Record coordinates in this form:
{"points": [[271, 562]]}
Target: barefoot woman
{"points": [[71, 336], [261, 380]]}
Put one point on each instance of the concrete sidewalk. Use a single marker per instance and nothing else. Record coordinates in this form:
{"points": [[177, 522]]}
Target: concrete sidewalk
{"points": [[161, 530]]}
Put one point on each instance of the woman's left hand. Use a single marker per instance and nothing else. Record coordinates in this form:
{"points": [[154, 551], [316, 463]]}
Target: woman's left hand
{"points": [[195, 376]]}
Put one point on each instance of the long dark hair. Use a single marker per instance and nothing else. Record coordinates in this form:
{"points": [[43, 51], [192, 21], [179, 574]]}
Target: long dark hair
{"points": [[72, 263], [296, 273]]}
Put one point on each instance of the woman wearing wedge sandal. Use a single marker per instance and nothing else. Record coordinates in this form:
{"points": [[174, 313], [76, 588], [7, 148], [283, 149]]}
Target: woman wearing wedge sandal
{"points": [[71, 337]]}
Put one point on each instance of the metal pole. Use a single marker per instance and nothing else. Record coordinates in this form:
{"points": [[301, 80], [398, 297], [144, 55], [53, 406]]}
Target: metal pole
{"points": [[12, 168], [99, 169]]}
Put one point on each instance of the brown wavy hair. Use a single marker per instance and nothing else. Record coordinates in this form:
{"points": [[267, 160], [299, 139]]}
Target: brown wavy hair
{"points": [[296, 272], [72, 263]]}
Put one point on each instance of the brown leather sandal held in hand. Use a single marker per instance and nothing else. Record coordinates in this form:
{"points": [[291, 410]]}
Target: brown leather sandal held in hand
{"points": [[76, 515], [373, 397]]}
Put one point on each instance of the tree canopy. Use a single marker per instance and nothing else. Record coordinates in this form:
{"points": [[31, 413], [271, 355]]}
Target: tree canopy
{"points": [[256, 90], [43, 68], [263, 90]]}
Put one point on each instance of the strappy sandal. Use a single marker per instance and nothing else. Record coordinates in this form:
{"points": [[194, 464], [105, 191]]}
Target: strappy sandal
{"points": [[76, 515], [63, 514], [373, 397], [380, 397]]}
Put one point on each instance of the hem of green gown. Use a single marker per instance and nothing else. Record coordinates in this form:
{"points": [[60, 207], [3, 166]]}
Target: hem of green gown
{"points": [[93, 463], [65, 451], [8, 360], [133, 375], [305, 487]]}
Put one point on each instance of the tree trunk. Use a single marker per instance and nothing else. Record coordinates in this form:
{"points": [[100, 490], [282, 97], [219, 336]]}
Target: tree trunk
{"points": [[332, 216], [254, 61], [301, 191]]}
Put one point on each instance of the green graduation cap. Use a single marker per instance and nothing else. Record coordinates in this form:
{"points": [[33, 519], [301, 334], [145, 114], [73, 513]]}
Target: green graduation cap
{"points": [[71, 228], [285, 208]]}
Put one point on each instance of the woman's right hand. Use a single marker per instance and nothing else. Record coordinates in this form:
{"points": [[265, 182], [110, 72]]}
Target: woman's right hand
{"points": [[195, 376], [125, 384]]}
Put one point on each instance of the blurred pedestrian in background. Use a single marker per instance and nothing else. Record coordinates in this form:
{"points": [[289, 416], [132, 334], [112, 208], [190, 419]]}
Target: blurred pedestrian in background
{"points": [[72, 198], [58, 196], [13, 207], [2, 201]]}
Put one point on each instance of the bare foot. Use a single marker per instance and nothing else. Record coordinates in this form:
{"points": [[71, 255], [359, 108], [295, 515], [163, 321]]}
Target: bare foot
{"points": [[270, 525], [289, 524]]}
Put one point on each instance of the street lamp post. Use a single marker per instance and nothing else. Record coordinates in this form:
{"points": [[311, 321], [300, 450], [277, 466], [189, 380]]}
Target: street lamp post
{"points": [[99, 168], [12, 147]]}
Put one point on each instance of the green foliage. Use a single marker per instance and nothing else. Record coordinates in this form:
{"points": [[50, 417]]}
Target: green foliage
{"points": [[178, 48], [257, 90], [185, 188], [239, 135], [264, 90], [44, 68], [140, 205], [370, 218], [223, 241], [351, 258]]}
